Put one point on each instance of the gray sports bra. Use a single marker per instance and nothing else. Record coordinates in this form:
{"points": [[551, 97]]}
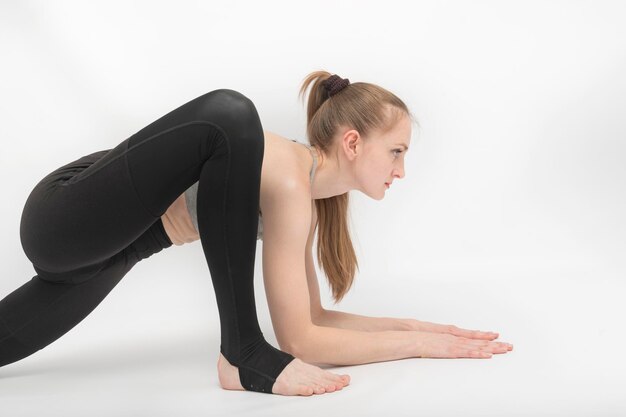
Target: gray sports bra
{"points": [[191, 197]]}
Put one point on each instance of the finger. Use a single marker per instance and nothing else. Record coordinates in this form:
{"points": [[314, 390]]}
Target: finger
{"points": [[495, 348], [472, 334], [499, 346], [456, 331], [472, 342], [475, 353], [479, 354], [427, 326], [489, 347]]}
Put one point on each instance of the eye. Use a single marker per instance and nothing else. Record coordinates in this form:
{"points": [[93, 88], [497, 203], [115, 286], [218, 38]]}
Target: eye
{"points": [[397, 150]]}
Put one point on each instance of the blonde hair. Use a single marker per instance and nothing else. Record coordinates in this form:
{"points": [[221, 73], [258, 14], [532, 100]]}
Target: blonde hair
{"points": [[366, 108]]}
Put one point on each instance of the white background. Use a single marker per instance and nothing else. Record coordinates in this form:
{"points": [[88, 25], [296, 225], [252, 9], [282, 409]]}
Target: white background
{"points": [[510, 217]]}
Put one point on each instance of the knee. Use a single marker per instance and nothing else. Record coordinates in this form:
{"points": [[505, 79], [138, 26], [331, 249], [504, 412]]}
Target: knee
{"points": [[74, 276], [231, 99], [230, 109]]}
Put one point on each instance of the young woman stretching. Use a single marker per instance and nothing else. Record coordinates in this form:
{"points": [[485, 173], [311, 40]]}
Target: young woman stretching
{"points": [[207, 171]]}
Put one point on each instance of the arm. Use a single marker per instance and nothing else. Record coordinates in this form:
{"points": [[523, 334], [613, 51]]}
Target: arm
{"points": [[334, 346], [343, 320], [340, 319], [286, 225]]}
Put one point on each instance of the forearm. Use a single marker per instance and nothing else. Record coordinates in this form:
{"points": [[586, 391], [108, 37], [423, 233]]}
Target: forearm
{"points": [[342, 320], [335, 346]]}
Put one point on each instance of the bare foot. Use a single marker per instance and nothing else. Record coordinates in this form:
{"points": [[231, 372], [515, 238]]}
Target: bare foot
{"points": [[298, 378]]}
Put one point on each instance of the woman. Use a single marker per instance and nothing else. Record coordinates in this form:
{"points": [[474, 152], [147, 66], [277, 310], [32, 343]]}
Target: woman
{"points": [[206, 171]]}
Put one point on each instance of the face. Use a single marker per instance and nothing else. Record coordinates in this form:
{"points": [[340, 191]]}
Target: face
{"points": [[380, 159]]}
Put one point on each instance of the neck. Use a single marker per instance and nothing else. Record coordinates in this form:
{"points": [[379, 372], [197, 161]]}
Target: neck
{"points": [[329, 180]]}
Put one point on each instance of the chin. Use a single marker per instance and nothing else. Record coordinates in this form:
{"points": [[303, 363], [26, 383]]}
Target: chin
{"points": [[378, 197]]}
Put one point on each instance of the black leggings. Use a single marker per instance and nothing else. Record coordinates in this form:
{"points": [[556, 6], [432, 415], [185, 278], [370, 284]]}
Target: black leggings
{"points": [[85, 225]]}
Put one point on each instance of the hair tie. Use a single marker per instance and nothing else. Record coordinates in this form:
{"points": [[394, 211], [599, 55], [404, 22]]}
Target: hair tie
{"points": [[335, 84]]}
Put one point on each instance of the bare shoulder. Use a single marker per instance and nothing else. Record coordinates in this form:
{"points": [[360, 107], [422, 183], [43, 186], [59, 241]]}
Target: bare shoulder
{"points": [[284, 169]]}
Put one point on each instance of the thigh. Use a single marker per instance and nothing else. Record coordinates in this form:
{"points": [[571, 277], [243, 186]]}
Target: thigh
{"points": [[87, 211]]}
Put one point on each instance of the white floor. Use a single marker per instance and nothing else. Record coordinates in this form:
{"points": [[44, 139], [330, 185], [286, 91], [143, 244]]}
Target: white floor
{"points": [[510, 217], [151, 347]]}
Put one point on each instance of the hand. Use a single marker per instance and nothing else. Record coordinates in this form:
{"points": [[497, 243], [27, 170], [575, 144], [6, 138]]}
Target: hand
{"points": [[425, 326], [445, 345]]}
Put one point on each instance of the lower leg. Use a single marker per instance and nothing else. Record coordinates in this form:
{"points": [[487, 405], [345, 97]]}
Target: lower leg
{"points": [[50, 305]]}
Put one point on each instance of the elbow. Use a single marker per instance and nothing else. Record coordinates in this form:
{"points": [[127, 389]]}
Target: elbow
{"points": [[299, 345], [317, 316], [297, 350], [288, 347]]}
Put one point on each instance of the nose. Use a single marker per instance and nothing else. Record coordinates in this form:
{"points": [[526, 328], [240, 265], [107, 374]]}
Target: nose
{"points": [[399, 173]]}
